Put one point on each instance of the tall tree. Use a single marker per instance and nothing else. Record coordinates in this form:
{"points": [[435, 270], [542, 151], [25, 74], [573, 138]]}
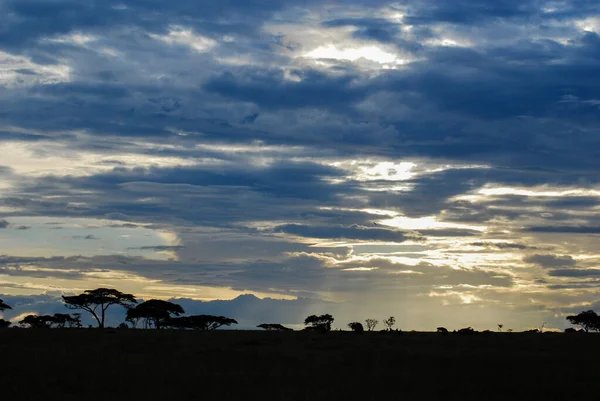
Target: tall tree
{"points": [[154, 311], [97, 301], [3, 306], [589, 320]]}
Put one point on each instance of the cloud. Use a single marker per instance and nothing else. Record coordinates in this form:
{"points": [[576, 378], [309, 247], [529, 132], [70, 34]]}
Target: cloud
{"points": [[267, 142], [550, 261]]}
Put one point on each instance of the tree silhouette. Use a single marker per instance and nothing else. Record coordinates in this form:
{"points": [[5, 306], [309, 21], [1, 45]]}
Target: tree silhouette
{"points": [[589, 320], [154, 311], [356, 327], [58, 320], [389, 323], [4, 324], [371, 323], [200, 322], [3, 306], [319, 323], [37, 322], [442, 330], [98, 301], [63, 320], [274, 327]]}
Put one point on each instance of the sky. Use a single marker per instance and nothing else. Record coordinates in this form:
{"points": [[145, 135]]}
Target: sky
{"points": [[432, 160]]}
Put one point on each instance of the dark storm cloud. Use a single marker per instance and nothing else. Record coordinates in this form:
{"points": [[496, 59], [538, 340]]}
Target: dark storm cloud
{"points": [[516, 96], [500, 245], [159, 248], [378, 29], [270, 90], [339, 232], [563, 229], [550, 261], [575, 273]]}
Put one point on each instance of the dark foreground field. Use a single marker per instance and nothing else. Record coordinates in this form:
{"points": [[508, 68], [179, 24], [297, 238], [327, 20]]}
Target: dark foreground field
{"points": [[175, 365]]}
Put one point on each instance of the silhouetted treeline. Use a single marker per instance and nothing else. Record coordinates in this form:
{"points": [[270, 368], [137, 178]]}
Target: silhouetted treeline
{"points": [[159, 314]]}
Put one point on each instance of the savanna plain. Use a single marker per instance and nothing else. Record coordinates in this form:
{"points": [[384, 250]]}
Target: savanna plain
{"points": [[112, 364]]}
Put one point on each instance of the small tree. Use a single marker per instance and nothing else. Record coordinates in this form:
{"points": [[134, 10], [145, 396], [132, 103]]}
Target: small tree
{"points": [[154, 311], [319, 323], [356, 327], [389, 323], [500, 326], [371, 323], [273, 327], [4, 324], [589, 320], [3, 306], [98, 301]]}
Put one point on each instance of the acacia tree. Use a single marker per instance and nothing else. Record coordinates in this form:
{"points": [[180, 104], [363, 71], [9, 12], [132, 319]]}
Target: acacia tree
{"points": [[371, 323], [154, 311], [274, 327], [589, 320], [319, 323], [97, 301]]}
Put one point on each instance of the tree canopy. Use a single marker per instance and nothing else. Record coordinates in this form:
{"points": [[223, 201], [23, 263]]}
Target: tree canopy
{"points": [[273, 327], [319, 323], [589, 320], [200, 322], [98, 301], [58, 320], [155, 312]]}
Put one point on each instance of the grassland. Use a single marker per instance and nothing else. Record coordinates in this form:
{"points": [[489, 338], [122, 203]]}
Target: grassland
{"points": [[237, 365]]}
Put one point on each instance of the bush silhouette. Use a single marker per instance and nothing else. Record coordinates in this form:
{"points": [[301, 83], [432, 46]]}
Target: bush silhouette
{"points": [[199, 322], [4, 324], [467, 331], [356, 327], [273, 327]]}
